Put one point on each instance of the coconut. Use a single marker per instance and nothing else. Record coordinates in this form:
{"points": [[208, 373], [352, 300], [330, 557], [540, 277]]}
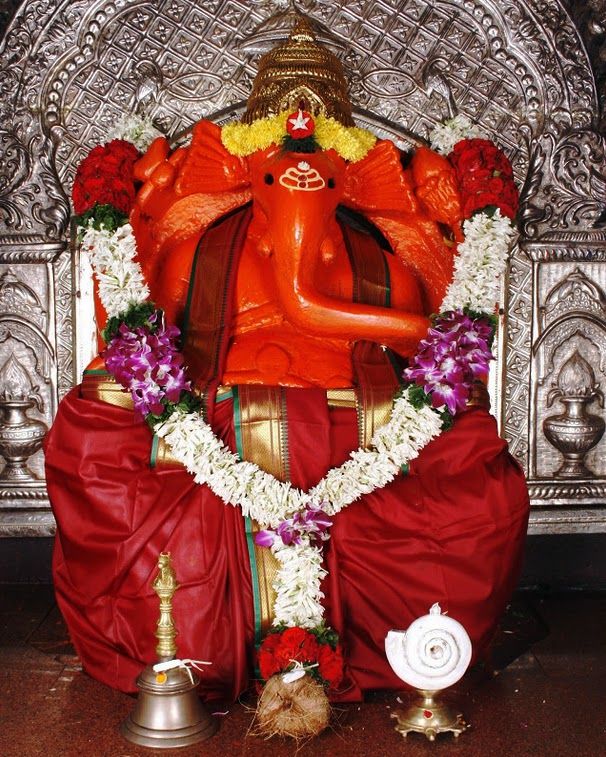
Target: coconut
{"points": [[299, 709]]}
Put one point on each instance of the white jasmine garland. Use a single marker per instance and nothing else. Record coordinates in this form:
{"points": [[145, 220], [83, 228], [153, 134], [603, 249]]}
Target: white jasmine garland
{"points": [[297, 585], [444, 136], [136, 129], [479, 264], [261, 496], [112, 255], [269, 501]]}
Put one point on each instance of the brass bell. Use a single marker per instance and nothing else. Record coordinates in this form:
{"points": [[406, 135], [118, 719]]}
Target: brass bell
{"points": [[168, 713]]}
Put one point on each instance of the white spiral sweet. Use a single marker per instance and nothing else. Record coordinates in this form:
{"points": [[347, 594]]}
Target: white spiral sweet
{"points": [[432, 654]]}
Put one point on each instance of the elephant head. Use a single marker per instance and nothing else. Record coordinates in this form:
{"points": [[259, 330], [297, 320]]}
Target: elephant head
{"points": [[294, 197]]}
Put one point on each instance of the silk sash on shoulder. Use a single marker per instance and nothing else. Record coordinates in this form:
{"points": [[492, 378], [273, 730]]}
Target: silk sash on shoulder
{"points": [[210, 302]]}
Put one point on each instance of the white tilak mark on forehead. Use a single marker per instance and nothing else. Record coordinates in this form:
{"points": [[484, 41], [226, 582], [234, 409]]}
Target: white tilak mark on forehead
{"points": [[303, 178]]}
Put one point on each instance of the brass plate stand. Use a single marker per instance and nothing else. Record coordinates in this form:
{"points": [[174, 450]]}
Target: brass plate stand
{"points": [[429, 717]]}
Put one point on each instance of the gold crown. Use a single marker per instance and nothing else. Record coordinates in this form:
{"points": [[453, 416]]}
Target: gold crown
{"points": [[300, 70]]}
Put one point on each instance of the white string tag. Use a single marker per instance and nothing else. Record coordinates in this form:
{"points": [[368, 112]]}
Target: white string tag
{"points": [[187, 664], [297, 672]]}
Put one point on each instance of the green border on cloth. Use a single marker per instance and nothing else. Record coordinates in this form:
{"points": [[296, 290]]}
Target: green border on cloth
{"points": [[248, 525], [153, 455]]}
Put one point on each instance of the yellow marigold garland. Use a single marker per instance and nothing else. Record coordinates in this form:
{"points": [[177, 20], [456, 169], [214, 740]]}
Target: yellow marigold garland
{"points": [[351, 142]]}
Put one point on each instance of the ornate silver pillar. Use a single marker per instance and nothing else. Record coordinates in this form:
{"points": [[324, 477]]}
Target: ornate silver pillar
{"points": [[563, 335]]}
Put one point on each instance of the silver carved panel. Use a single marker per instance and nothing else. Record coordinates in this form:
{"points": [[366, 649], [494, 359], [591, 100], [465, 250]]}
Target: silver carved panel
{"points": [[566, 351], [69, 70]]}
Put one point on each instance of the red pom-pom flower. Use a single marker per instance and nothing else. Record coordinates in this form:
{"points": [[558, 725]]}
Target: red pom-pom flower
{"points": [[281, 651], [105, 177], [484, 176]]}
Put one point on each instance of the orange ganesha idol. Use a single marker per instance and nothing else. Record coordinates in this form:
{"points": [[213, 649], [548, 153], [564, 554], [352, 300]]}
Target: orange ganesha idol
{"points": [[301, 258]]}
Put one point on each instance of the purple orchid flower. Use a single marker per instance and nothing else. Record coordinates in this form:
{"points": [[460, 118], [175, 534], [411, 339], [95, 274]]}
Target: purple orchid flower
{"points": [[312, 521], [265, 538], [454, 397], [145, 360], [288, 532], [453, 355]]}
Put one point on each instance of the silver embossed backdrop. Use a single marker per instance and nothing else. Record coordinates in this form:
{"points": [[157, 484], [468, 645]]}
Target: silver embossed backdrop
{"points": [[68, 70]]}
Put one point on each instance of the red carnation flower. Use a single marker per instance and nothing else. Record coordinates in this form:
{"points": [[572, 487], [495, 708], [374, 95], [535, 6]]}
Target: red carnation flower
{"points": [[470, 155], [484, 176], [299, 644], [268, 662], [293, 637], [330, 664], [105, 177], [279, 650]]}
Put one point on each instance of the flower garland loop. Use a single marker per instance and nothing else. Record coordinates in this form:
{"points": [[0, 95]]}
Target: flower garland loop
{"points": [[142, 354]]}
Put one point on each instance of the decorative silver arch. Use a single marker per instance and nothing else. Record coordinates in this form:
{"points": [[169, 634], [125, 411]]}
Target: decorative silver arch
{"points": [[69, 69]]}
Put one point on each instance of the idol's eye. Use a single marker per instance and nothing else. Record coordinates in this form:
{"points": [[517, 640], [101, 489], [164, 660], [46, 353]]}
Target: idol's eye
{"points": [[331, 183], [269, 179]]}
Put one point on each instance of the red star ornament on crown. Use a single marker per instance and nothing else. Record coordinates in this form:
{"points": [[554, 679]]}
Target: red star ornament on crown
{"points": [[300, 124]]}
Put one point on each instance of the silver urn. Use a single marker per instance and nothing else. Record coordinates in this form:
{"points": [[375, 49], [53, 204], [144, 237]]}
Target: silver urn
{"points": [[575, 431], [20, 435]]}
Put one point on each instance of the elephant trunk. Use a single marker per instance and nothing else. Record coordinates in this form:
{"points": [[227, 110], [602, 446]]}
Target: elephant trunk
{"points": [[298, 247]]}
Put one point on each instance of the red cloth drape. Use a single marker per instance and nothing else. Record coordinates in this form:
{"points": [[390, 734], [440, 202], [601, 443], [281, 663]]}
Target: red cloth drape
{"points": [[451, 531]]}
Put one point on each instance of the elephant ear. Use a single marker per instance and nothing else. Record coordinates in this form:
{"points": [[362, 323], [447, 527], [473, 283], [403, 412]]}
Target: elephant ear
{"points": [[377, 184], [183, 193], [387, 194], [209, 167]]}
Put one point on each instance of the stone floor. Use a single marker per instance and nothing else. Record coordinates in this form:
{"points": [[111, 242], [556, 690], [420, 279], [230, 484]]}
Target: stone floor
{"points": [[547, 697]]}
